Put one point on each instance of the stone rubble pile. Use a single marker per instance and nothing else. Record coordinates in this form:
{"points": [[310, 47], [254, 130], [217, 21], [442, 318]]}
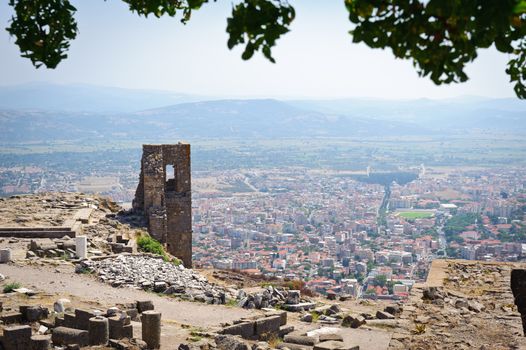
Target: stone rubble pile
{"points": [[317, 339], [271, 325], [289, 300], [335, 315], [152, 273]]}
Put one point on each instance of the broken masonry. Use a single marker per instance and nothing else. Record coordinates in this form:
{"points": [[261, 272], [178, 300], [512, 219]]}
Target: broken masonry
{"points": [[164, 196]]}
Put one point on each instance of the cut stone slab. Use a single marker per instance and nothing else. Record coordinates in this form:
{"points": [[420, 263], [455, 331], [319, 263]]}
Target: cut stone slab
{"points": [[382, 315], [273, 312], [366, 339], [293, 346], [245, 329], [267, 325], [334, 345], [301, 339], [383, 323], [299, 307], [324, 330], [330, 336], [284, 330]]}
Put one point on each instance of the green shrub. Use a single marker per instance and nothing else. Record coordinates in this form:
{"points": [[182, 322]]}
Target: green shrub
{"points": [[176, 261], [8, 288], [231, 302], [149, 245]]}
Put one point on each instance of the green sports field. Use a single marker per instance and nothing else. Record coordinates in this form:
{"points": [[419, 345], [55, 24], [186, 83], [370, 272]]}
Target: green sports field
{"points": [[415, 214]]}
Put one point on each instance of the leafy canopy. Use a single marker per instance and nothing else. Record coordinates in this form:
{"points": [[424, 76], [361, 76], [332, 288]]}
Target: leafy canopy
{"points": [[439, 36]]}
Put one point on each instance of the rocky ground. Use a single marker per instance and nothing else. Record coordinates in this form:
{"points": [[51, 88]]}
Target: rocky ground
{"points": [[463, 305], [471, 307], [50, 209], [108, 229]]}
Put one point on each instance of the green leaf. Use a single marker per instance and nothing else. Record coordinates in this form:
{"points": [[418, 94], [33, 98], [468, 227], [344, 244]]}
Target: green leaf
{"points": [[520, 7]]}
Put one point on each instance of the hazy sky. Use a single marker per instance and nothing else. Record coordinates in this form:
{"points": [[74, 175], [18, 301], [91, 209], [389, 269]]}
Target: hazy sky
{"points": [[316, 59]]}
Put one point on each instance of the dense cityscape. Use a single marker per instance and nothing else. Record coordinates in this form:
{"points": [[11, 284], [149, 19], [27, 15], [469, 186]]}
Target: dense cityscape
{"points": [[356, 233], [263, 175]]}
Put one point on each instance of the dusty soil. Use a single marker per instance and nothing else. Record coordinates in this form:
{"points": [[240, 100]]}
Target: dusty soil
{"points": [[179, 318]]}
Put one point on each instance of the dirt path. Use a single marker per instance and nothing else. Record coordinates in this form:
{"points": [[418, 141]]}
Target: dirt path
{"points": [[63, 282]]}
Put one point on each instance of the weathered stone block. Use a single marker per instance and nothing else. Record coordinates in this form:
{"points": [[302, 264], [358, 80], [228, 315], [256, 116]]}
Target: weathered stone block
{"points": [[35, 313], [12, 317], [267, 325], [244, 329], [59, 321], [116, 326], [70, 321], [133, 313], [353, 321], [66, 336], [17, 338], [82, 318], [40, 342], [284, 330], [127, 331], [230, 342], [98, 330], [382, 315], [151, 328], [144, 305], [394, 309], [282, 315], [299, 307]]}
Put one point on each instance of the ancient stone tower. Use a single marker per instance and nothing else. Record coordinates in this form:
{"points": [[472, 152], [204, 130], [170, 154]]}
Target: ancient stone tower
{"points": [[164, 196]]}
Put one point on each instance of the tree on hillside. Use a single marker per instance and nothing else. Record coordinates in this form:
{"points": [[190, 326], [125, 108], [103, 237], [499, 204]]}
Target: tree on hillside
{"points": [[380, 280], [439, 36]]}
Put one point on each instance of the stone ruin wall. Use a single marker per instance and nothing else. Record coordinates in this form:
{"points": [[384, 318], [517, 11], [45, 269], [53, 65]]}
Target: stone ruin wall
{"points": [[518, 287], [166, 202]]}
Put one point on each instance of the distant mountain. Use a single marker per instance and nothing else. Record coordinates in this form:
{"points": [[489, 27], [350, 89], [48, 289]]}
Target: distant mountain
{"points": [[456, 114], [266, 118], [85, 98], [210, 119]]}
